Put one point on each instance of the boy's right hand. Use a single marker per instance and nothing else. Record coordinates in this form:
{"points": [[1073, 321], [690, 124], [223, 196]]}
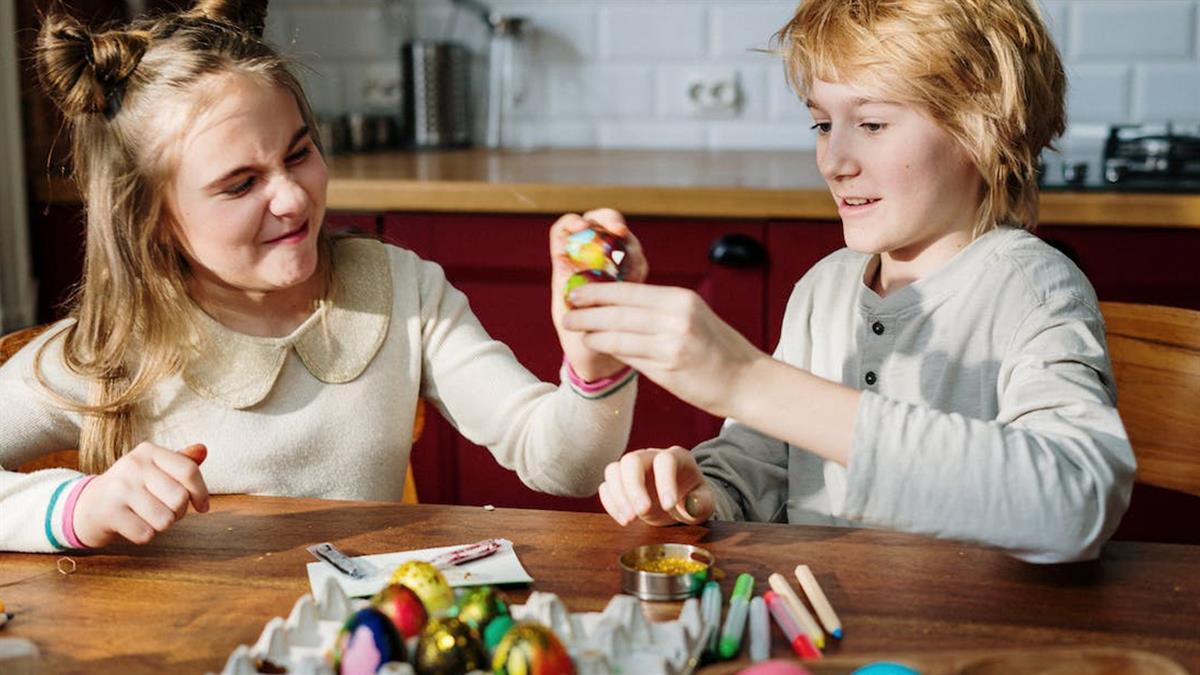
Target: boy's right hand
{"points": [[659, 487], [140, 495]]}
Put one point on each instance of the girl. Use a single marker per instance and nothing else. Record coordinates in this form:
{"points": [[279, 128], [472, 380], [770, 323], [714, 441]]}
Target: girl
{"points": [[947, 372], [219, 323]]}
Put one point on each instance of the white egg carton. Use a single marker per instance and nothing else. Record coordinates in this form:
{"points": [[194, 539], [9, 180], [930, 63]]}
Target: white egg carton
{"points": [[617, 640]]}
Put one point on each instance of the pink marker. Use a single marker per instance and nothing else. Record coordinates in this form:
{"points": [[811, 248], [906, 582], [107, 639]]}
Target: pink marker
{"points": [[466, 553], [798, 639]]}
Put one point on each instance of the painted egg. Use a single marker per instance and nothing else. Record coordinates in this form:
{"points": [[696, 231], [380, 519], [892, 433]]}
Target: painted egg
{"points": [[585, 277], [479, 606], [448, 646], [403, 606], [428, 583], [597, 249], [775, 667], [366, 641], [531, 649], [494, 633]]}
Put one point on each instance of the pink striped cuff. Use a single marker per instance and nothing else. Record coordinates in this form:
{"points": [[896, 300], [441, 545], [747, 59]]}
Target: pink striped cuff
{"points": [[598, 388], [69, 514]]}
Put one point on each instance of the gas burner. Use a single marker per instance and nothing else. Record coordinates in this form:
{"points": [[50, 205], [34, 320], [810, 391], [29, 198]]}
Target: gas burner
{"points": [[1135, 158], [1155, 153]]}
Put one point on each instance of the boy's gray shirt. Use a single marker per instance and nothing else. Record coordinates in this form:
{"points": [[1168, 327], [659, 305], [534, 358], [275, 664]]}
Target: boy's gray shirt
{"points": [[988, 412]]}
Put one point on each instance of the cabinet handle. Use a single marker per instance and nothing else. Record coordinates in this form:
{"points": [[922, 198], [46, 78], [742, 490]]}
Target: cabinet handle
{"points": [[737, 250]]}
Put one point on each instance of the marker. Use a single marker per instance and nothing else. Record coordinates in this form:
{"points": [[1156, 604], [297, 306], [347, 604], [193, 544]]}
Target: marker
{"points": [[465, 554], [796, 638], [819, 602], [340, 561], [760, 630], [780, 585], [735, 618], [710, 611]]}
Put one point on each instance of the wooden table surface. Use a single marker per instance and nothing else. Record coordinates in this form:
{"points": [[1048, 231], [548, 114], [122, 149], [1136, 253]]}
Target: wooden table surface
{"points": [[184, 602]]}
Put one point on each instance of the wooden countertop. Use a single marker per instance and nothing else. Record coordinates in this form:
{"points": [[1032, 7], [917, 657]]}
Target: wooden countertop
{"points": [[183, 602], [725, 184]]}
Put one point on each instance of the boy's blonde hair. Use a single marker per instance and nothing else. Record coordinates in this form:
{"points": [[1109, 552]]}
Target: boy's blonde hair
{"points": [[128, 95], [985, 70]]}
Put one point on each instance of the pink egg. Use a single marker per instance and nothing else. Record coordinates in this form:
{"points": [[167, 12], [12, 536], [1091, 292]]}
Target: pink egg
{"points": [[775, 667]]}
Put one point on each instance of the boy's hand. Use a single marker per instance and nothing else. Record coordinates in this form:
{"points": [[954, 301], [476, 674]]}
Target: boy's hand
{"points": [[671, 336], [588, 364], [659, 487], [140, 495]]}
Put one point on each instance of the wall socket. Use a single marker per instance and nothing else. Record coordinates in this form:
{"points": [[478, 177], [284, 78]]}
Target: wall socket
{"points": [[713, 95]]}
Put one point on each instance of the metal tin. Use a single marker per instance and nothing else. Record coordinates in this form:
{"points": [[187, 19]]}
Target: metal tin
{"points": [[660, 586]]}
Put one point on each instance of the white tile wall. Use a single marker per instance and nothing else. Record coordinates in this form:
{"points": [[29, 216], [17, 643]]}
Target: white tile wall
{"points": [[614, 73]]}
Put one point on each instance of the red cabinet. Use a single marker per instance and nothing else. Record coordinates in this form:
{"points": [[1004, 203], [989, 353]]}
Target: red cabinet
{"points": [[502, 264]]}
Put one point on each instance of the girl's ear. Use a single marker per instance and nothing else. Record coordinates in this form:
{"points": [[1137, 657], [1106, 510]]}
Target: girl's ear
{"points": [[249, 15]]}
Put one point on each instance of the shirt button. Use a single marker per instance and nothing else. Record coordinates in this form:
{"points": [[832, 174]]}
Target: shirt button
{"points": [[877, 327], [870, 378]]}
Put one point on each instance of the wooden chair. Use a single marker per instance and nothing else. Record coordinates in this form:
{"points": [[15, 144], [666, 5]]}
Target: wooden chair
{"points": [[13, 342], [1155, 354]]}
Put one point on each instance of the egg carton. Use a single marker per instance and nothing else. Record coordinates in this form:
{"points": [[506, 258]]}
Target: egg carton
{"points": [[618, 640]]}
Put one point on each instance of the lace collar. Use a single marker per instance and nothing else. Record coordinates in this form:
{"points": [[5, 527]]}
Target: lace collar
{"points": [[336, 343]]}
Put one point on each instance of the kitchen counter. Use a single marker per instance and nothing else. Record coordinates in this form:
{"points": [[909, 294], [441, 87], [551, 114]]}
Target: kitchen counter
{"points": [[727, 184]]}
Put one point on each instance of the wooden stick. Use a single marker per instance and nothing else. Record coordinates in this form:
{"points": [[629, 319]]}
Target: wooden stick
{"points": [[783, 589], [816, 596]]}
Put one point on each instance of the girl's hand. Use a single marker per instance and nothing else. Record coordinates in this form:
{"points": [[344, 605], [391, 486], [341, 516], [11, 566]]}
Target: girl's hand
{"points": [[669, 335], [588, 363], [142, 494], [659, 487]]}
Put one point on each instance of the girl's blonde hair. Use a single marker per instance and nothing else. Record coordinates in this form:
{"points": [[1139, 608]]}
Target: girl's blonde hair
{"points": [[985, 70], [127, 94]]}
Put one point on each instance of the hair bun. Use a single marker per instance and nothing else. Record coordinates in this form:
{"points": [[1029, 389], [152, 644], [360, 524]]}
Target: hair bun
{"points": [[248, 15], [81, 71]]}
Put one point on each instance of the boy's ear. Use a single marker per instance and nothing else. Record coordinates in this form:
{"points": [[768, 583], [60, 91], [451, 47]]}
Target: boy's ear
{"points": [[250, 15]]}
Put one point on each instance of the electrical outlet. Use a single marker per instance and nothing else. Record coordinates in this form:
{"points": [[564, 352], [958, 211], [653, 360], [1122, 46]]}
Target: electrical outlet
{"points": [[713, 95]]}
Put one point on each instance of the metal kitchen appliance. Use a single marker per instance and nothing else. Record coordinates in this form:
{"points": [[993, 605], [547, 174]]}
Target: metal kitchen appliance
{"points": [[435, 94], [1135, 158]]}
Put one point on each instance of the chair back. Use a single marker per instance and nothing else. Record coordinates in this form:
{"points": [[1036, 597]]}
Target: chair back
{"points": [[1155, 354], [11, 344]]}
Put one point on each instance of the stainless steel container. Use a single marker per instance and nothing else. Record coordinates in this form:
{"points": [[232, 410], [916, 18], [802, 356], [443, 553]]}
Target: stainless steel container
{"points": [[435, 96], [660, 586]]}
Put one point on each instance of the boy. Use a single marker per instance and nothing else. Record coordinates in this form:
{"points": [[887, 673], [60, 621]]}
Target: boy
{"points": [[947, 372]]}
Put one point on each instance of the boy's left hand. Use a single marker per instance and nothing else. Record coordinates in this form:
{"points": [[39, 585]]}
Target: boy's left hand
{"points": [[588, 363]]}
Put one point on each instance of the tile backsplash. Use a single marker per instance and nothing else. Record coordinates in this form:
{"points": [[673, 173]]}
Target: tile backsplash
{"points": [[620, 73]]}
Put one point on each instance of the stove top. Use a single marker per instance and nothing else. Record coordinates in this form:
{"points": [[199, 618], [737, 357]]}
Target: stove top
{"points": [[1134, 158]]}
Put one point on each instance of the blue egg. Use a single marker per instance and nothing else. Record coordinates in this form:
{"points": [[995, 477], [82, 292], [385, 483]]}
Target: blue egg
{"points": [[885, 668], [366, 641]]}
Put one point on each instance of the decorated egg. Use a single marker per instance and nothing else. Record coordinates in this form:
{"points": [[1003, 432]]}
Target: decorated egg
{"points": [[776, 667], [366, 641], [495, 631], [479, 606], [531, 649], [597, 249], [428, 583], [448, 646], [585, 277], [402, 605]]}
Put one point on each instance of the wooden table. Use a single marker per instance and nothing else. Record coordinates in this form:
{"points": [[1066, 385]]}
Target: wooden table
{"points": [[182, 603]]}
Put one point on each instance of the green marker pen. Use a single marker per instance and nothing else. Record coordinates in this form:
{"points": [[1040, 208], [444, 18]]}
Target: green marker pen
{"points": [[735, 619]]}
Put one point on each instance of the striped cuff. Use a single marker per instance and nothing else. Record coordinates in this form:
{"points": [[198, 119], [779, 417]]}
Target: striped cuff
{"points": [[69, 514], [599, 388], [56, 507]]}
